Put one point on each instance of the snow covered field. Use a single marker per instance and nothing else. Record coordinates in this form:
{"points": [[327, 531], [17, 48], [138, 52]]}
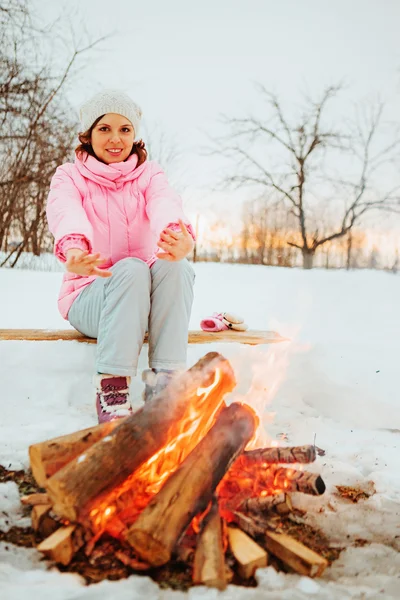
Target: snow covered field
{"points": [[337, 380]]}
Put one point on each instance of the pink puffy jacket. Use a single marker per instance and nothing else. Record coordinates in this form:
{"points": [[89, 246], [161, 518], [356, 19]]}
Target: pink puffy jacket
{"points": [[118, 210]]}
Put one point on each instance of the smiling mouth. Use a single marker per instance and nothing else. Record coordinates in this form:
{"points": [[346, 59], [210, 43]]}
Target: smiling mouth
{"points": [[114, 150]]}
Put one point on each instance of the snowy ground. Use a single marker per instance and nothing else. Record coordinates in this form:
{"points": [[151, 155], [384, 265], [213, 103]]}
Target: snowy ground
{"points": [[336, 380]]}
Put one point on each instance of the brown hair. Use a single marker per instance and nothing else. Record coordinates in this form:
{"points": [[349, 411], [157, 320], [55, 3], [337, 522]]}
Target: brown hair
{"points": [[86, 146]]}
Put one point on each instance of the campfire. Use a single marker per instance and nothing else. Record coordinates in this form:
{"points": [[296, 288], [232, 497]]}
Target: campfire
{"points": [[179, 479]]}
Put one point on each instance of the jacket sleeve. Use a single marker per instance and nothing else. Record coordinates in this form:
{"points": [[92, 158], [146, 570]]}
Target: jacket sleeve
{"points": [[66, 216], [163, 203]]}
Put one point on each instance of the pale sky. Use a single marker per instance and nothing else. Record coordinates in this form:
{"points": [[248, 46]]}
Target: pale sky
{"points": [[188, 62]]}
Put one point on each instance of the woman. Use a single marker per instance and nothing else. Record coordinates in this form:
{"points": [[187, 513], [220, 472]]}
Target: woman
{"points": [[121, 231]]}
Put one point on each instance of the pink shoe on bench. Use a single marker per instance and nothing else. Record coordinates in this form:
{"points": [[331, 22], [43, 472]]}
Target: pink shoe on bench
{"points": [[112, 397], [222, 322], [213, 323]]}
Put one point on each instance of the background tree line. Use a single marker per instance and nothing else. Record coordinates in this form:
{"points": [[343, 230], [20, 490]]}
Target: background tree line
{"points": [[37, 128], [310, 182]]}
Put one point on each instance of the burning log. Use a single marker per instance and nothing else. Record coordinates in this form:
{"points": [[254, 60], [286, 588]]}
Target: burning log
{"points": [[49, 457], [209, 560], [274, 479], [109, 462], [297, 481], [248, 554], [293, 553], [261, 504], [276, 455], [189, 489]]}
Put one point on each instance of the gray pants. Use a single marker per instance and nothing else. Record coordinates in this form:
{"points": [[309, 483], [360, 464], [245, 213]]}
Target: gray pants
{"points": [[120, 309]]}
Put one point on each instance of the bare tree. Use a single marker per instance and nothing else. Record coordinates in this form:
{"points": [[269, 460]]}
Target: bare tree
{"points": [[37, 130], [273, 154]]}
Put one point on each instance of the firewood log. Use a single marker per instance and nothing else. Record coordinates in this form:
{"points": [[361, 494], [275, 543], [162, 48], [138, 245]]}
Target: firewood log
{"points": [[61, 545], [42, 521], [249, 555], [35, 499], [209, 559], [261, 504], [49, 457], [275, 479], [249, 524], [276, 455], [291, 480], [109, 462], [188, 490], [301, 559]]}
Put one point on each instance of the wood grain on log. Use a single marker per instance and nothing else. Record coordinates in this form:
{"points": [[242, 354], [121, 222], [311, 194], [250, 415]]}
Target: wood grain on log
{"points": [[109, 462], [46, 458], [209, 559], [61, 545], [188, 491], [248, 554], [250, 337], [293, 553]]}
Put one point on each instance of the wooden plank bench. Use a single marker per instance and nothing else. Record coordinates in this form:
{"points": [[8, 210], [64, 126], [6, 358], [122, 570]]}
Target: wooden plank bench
{"points": [[251, 337]]}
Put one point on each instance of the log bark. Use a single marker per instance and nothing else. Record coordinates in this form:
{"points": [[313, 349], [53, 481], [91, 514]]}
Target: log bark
{"points": [[263, 504], [209, 559], [276, 455], [49, 457], [189, 490], [249, 524], [74, 489]]}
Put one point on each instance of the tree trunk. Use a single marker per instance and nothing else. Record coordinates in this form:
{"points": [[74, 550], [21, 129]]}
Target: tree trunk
{"points": [[349, 250], [308, 258]]}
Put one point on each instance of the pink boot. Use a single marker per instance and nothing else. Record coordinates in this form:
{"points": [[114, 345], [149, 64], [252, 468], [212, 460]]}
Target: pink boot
{"points": [[112, 398]]}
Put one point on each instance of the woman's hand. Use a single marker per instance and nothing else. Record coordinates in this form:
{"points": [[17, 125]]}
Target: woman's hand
{"points": [[176, 244], [81, 262]]}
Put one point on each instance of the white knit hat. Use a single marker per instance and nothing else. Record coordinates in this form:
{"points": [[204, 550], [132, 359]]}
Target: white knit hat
{"points": [[110, 101]]}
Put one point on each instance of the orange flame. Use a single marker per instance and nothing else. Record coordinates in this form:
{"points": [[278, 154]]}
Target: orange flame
{"points": [[186, 435], [146, 481]]}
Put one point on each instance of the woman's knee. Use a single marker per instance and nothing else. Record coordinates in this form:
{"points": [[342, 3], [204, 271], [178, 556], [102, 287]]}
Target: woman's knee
{"points": [[131, 268], [181, 269]]}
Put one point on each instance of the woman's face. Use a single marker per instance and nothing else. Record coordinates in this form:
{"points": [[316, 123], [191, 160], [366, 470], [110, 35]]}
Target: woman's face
{"points": [[112, 138]]}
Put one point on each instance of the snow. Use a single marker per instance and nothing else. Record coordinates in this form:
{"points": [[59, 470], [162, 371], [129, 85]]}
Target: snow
{"points": [[335, 381]]}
